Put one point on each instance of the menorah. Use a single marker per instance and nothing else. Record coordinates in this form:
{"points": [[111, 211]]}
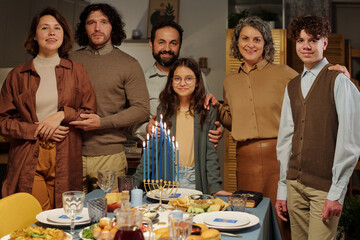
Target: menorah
{"points": [[162, 169]]}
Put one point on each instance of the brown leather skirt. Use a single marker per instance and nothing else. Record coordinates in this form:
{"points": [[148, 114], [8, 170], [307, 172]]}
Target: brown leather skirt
{"points": [[258, 170], [257, 166]]}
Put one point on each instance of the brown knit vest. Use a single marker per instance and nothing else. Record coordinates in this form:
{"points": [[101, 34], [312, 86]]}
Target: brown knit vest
{"points": [[315, 131]]}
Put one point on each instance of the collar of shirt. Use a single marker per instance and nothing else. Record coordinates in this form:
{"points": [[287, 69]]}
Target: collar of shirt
{"points": [[308, 76], [101, 51], [155, 72], [316, 69], [260, 65]]}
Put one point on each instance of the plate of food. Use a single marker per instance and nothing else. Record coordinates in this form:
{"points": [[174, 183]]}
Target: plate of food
{"points": [[199, 205], [39, 232], [168, 194], [102, 230], [113, 201]]}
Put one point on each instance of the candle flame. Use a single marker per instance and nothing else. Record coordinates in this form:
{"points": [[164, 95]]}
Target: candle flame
{"points": [[173, 138], [156, 123], [177, 145], [153, 129], [161, 116], [147, 136], [165, 126], [169, 132], [144, 144]]}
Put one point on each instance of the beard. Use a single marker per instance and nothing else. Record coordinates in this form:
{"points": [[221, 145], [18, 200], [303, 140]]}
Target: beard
{"points": [[165, 62]]}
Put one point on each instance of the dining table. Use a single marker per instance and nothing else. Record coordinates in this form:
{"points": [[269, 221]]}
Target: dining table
{"points": [[266, 229]]}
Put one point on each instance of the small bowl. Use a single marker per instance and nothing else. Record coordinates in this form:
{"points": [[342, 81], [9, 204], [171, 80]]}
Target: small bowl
{"points": [[201, 196], [196, 230]]}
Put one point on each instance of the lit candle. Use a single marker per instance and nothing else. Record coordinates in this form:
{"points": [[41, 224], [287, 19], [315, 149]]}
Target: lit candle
{"points": [[165, 147], [156, 150], [152, 157], [169, 156], [177, 159], [148, 156], [144, 159], [161, 140], [173, 157]]}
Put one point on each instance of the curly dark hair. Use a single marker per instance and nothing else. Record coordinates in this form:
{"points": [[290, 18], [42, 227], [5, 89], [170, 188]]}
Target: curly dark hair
{"points": [[317, 26], [32, 46], [166, 24], [117, 34], [263, 28], [169, 100]]}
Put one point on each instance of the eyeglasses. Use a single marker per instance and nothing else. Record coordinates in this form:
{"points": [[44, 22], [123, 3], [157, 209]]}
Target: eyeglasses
{"points": [[188, 79]]}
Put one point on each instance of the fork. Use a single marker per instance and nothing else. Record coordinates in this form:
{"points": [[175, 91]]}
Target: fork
{"points": [[231, 234]]}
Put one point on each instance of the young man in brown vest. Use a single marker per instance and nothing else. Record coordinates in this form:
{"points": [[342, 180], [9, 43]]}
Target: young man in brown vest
{"points": [[319, 137]]}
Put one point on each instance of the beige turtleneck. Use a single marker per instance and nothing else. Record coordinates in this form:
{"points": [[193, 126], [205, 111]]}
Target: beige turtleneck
{"points": [[46, 95]]}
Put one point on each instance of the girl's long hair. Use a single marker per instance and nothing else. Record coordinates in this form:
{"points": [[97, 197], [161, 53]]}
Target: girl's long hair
{"points": [[169, 100]]}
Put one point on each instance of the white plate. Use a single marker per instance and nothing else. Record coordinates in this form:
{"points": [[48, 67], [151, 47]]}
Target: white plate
{"points": [[224, 220], [253, 220], [43, 217], [180, 192], [59, 216], [7, 237]]}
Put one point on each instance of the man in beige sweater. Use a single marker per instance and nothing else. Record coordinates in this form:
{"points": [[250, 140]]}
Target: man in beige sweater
{"points": [[121, 93]]}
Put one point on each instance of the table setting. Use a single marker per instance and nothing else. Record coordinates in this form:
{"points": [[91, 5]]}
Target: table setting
{"points": [[252, 223], [161, 210]]}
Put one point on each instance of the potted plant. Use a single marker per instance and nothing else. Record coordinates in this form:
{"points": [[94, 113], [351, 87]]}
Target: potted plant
{"points": [[267, 16], [262, 13], [350, 221], [235, 17]]}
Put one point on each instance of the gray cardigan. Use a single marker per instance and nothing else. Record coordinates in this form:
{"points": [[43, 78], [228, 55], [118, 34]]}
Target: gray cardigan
{"points": [[207, 168]]}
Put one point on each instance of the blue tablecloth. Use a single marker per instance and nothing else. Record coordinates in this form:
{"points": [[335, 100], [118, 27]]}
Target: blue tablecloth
{"points": [[266, 229]]}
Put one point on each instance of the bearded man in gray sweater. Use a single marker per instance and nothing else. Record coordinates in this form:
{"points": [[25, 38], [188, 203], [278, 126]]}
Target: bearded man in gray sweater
{"points": [[120, 88]]}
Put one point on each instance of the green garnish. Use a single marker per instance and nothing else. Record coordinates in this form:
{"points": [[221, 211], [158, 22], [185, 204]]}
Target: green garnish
{"points": [[88, 232], [35, 235]]}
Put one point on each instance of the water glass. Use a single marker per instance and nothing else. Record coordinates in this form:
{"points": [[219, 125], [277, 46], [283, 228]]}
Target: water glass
{"points": [[97, 208], [238, 202], [180, 225], [125, 183], [73, 203], [106, 179]]}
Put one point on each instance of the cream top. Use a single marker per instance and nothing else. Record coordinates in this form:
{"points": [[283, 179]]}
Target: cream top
{"points": [[46, 95]]}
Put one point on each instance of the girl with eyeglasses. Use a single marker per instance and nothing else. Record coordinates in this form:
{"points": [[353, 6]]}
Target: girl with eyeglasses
{"points": [[181, 104]]}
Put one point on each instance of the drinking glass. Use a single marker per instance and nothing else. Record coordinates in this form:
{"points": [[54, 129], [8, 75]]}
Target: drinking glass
{"points": [[238, 202], [97, 208], [73, 203], [125, 183], [106, 179], [180, 225]]}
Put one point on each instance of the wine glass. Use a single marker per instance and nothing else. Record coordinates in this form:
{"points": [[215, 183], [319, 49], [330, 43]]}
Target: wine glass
{"points": [[73, 203], [106, 179]]}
